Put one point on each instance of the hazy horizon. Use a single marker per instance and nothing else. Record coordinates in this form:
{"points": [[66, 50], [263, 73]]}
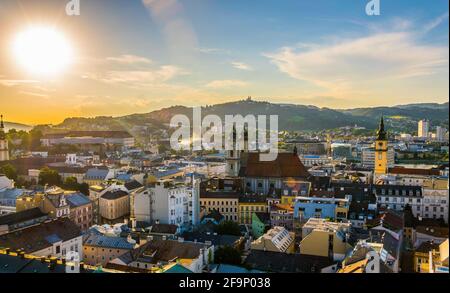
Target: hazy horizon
{"points": [[224, 102]]}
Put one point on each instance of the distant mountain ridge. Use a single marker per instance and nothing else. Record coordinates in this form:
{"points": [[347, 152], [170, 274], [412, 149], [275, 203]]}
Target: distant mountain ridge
{"points": [[291, 117], [17, 126]]}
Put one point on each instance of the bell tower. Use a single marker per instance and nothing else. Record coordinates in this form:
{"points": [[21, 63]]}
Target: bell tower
{"points": [[381, 150], [233, 157], [4, 152]]}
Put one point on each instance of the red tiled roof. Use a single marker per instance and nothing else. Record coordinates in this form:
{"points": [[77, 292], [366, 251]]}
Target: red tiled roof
{"points": [[414, 171], [286, 165]]}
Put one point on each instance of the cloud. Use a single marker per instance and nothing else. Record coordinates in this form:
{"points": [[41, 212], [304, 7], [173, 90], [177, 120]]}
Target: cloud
{"points": [[350, 65], [241, 66], [213, 51], [134, 78], [16, 82], [33, 94], [435, 22], [178, 31], [129, 59], [227, 83]]}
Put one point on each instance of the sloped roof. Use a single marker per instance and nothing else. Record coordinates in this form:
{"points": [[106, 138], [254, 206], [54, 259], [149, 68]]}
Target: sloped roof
{"points": [[77, 199], [114, 194], [164, 229], [21, 216], [131, 185], [108, 241], [286, 263], [285, 165], [163, 250], [38, 237]]}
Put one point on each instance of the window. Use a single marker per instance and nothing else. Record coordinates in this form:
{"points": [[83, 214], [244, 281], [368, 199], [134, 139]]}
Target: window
{"points": [[58, 249]]}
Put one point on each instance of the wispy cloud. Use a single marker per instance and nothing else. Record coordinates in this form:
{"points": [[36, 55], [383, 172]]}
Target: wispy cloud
{"points": [[178, 31], [435, 22], [129, 59], [213, 51], [16, 82], [33, 94], [227, 83], [134, 78], [241, 66], [350, 64]]}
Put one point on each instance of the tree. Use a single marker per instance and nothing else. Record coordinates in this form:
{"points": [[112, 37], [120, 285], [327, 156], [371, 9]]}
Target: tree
{"points": [[84, 188], [49, 176], [71, 183], [228, 228], [9, 171], [35, 138], [228, 255]]}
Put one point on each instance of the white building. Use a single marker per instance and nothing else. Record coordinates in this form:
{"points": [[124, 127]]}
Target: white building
{"points": [[165, 202], [396, 197], [368, 157], [422, 128], [312, 160], [276, 239], [440, 133], [435, 199]]}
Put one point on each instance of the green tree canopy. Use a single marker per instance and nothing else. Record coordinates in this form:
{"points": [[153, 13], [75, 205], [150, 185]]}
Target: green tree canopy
{"points": [[228, 255], [9, 171], [49, 176], [228, 228]]}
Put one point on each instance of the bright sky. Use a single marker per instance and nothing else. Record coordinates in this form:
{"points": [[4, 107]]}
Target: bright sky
{"points": [[135, 56]]}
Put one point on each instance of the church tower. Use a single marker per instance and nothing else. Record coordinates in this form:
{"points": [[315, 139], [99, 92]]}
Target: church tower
{"points": [[233, 157], [381, 150], [4, 152]]}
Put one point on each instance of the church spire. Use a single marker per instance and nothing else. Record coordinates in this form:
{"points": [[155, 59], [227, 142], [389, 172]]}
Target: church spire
{"points": [[381, 133], [1, 122]]}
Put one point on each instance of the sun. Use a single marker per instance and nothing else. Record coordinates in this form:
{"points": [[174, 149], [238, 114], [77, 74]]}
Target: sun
{"points": [[42, 51]]}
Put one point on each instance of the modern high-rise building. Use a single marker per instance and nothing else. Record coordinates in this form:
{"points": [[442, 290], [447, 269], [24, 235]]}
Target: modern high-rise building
{"points": [[440, 133], [422, 129]]}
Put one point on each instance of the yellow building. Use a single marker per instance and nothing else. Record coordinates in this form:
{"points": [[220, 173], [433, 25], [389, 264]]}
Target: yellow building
{"points": [[431, 257], [28, 201], [250, 204], [381, 150], [323, 238], [224, 202], [114, 206], [288, 199]]}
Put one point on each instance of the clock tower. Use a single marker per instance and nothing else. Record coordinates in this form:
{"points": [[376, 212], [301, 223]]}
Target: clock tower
{"points": [[381, 150]]}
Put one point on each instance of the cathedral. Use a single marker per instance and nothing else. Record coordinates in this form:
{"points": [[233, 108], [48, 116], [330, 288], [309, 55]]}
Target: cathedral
{"points": [[4, 152]]}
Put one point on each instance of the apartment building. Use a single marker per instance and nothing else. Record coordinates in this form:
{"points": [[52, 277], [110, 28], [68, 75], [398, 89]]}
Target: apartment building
{"points": [[164, 202], [114, 205], [277, 239], [323, 238]]}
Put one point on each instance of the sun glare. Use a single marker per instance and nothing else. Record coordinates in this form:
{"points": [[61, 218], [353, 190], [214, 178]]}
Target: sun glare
{"points": [[42, 51]]}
